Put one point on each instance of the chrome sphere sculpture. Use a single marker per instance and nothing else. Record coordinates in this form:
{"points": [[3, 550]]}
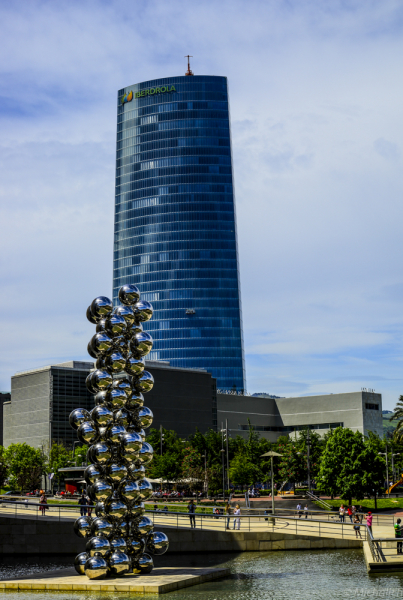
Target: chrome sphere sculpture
{"points": [[120, 533]]}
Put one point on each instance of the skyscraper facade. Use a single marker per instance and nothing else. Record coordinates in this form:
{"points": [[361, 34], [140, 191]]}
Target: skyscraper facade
{"points": [[175, 227]]}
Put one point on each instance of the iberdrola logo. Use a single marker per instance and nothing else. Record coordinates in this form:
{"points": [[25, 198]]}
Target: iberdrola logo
{"points": [[127, 98]]}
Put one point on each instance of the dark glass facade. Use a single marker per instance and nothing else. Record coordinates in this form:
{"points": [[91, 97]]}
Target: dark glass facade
{"points": [[175, 227]]}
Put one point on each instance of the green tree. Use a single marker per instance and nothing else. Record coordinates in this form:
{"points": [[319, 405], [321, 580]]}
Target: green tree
{"points": [[26, 466], [398, 415], [192, 467], [350, 466], [59, 458], [80, 456], [292, 464], [243, 471], [4, 470]]}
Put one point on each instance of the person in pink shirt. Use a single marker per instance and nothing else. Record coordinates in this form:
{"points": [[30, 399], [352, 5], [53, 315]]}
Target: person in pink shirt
{"points": [[368, 518]]}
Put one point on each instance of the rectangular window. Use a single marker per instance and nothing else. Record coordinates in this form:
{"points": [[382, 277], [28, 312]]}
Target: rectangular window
{"points": [[371, 406]]}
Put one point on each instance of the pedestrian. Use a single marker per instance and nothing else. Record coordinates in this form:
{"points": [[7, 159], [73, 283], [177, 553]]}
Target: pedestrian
{"points": [[356, 526], [227, 512], [192, 517], [237, 520], [360, 511], [306, 511], [350, 513], [90, 505], [398, 534], [368, 518], [43, 504], [83, 503], [299, 509], [342, 511], [354, 509]]}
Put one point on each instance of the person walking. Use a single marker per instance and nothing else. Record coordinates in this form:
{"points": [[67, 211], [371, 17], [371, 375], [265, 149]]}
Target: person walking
{"points": [[368, 518], [306, 511], [83, 503], [90, 505], [237, 519], [192, 511], [227, 512], [398, 534], [342, 511], [356, 526], [299, 509], [43, 504], [350, 513]]}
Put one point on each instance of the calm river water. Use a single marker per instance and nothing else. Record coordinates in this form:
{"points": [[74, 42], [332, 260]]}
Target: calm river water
{"points": [[320, 574]]}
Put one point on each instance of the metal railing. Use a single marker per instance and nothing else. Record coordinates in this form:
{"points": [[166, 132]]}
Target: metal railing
{"points": [[312, 496], [384, 548]]}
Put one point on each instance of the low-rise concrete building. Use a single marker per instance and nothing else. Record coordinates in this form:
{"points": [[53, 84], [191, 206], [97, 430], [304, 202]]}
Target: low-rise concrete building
{"points": [[273, 417]]}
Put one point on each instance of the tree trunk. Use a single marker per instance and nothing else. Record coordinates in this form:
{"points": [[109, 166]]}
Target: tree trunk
{"points": [[376, 503]]}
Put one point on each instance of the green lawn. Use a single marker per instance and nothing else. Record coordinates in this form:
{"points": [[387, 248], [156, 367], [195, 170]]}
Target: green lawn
{"points": [[382, 503]]}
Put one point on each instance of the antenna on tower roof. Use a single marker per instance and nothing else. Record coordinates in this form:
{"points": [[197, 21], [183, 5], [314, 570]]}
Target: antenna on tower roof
{"points": [[189, 72]]}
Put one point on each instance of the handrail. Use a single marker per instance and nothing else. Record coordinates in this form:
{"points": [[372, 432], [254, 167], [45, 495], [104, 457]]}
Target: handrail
{"points": [[317, 499]]}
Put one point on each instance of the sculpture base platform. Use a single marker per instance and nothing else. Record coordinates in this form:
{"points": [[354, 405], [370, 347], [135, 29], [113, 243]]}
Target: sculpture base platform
{"points": [[159, 581]]}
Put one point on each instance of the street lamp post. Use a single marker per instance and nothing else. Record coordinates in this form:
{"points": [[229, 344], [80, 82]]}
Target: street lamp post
{"points": [[387, 467], [393, 466], [223, 472], [205, 473], [272, 455], [308, 445]]}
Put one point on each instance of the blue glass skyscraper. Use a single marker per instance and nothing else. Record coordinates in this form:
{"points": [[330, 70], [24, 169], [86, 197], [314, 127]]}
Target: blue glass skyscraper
{"points": [[175, 227]]}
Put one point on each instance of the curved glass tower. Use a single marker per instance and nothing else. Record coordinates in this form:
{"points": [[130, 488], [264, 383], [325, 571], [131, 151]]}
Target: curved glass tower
{"points": [[175, 228]]}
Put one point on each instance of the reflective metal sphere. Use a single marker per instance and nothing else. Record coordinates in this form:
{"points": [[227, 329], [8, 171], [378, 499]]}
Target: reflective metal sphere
{"points": [[124, 385], [143, 564], [101, 343], [143, 310], [78, 416], [96, 567], [100, 363], [115, 325], [102, 398], [129, 294], [102, 416], [145, 488], [114, 432], [137, 510], [123, 417], [118, 543], [98, 544], [100, 510], [127, 313], [130, 444], [136, 400], [115, 362], [115, 508], [115, 473], [101, 453], [79, 562], [136, 471], [157, 543], [102, 490], [87, 433], [89, 316], [90, 351], [102, 527], [146, 453], [129, 491], [121, 344], [145, 417], [145, 525], [135, 546], [92, 473], [82, 527], [100, 328], [100, 308], [117, 399], [122, 527], [144, 383], [101, 380], [141, 344], [88, 383], [119, 563], [134, 366]]}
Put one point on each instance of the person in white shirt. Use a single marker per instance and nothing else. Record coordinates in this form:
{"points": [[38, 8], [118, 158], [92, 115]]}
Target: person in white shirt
{"points": [[299, 509], [237, 520]]}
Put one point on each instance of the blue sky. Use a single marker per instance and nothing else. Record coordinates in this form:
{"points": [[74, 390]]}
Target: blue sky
{"points": [[316, 105]]}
